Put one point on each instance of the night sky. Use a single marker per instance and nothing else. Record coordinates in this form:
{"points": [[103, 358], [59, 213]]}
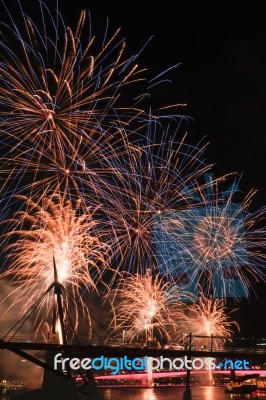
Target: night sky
{"points": [[222, 77]]}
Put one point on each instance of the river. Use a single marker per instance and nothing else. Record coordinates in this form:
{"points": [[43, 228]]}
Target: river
{"points": [[175, 393], [172, 393]]}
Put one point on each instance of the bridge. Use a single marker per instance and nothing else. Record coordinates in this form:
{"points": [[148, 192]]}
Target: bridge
{"points": [[177, 374], [194, 346], [236, 347]]}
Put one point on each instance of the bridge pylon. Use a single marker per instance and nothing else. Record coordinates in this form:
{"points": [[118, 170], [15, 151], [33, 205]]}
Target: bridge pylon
{"points": [[56, 384]]}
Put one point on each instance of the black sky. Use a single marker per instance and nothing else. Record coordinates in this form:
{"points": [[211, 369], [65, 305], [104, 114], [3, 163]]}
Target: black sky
{"points": [[222, 49]]}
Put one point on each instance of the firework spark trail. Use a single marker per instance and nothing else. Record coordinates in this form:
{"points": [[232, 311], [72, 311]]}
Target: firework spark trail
{"points": [[59, 230], [141, 308], [218, 243], [59, 91], [58, 100], [83, 175], [208, 317], [151, 180]]}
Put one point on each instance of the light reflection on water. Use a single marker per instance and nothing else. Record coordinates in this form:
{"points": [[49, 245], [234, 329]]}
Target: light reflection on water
{"points": [[149, 395], [209, 393], [171, 393], [176, 393]]}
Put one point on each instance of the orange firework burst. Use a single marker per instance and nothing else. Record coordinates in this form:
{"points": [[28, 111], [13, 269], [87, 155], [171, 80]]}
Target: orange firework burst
{"points": [[56, 230], [142, 310], [59, 94], [208, 317]]}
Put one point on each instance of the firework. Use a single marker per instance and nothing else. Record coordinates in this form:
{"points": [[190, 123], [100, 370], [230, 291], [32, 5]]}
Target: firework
{"points": [[59, 93], [217, 243], [141, 308], [57, 230], [208, 317], [151, 181]]}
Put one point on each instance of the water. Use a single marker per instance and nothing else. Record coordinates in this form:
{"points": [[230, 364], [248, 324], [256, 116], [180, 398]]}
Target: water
{"points": [[176, 393], [173, 393]]}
